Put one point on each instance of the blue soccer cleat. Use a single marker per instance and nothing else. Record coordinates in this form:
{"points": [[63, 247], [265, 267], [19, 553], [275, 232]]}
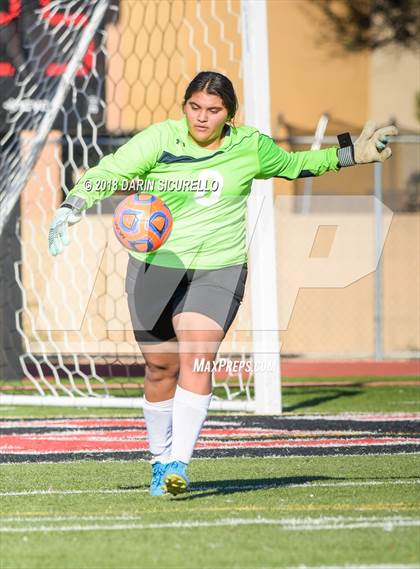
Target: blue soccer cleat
{"points": [[175, 477], [157, 484]]}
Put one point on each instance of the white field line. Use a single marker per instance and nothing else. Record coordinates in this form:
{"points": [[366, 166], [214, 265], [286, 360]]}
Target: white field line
{"points": [[289, 524], [64, 492], [54, 519], [312, 520], [376, 566], [233, 487]]}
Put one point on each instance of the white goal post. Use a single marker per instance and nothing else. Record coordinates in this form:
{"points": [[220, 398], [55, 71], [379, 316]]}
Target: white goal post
{"points": [[264, 310], [111, 68]]}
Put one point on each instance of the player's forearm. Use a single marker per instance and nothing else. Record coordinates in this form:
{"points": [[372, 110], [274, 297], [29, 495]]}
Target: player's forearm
{"points": [[309, 163], [371, 146], [96, 184]]}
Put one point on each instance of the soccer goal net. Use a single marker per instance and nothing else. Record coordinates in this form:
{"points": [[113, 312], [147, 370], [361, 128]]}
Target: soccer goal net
{"points": [[78, 79]]}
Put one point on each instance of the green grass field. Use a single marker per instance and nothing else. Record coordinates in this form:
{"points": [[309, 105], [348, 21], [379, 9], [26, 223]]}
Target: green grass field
{"points": [[355, 513], [314, 511]]}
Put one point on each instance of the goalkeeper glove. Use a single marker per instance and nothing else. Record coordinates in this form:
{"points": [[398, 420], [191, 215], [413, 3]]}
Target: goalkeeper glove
{"points": [[371, 146], [68, 214]]}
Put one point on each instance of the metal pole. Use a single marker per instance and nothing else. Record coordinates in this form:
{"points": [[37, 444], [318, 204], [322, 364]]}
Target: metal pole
{"points": [[316, 145], [378, 293]]}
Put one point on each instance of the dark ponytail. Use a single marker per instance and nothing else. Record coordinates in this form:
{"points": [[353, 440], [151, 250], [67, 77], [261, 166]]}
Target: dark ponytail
{"points": [[214, 83]]}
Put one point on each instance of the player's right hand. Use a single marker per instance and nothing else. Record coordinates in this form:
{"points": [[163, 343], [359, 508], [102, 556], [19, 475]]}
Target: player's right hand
{"points": [[58, 235], [371, 146]]}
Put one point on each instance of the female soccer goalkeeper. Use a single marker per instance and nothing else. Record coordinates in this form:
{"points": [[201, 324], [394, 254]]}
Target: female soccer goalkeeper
{"points": [[184, 296]]}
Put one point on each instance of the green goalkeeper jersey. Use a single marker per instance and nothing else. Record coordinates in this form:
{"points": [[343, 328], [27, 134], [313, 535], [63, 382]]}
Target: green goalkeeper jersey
{"points": [[206, 190]]}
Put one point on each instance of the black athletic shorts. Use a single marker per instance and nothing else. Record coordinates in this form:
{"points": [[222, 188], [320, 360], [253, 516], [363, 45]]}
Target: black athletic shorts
{"points": [[156, 294]]}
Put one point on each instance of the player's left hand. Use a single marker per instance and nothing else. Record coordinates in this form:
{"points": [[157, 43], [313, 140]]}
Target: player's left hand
{"points": [[58, 234], [371, 146]]}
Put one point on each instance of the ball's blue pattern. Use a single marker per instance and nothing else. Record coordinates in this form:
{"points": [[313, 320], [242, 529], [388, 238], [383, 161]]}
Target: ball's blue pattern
{"points": [[143, 241], [151, 225], [149, 199], [135, 225]]}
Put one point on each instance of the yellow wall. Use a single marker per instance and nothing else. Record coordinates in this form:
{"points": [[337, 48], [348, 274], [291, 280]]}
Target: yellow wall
{"points": [[308, 78], [341, 320], [394, 78]]}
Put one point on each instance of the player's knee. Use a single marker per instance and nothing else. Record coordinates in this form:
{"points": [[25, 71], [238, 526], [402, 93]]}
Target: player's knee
{"points": [[199, 362], [161, 371], [198, 347]]}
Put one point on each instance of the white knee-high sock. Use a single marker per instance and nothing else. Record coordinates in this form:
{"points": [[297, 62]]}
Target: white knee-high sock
{"points": [[158, 417], [189, 414]]}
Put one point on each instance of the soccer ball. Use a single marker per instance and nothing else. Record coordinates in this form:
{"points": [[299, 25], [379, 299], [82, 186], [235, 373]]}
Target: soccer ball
{"points": [[142, 222]]}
